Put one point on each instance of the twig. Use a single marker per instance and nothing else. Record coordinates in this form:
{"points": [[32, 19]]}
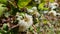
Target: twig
{"points": [[13, 27]]}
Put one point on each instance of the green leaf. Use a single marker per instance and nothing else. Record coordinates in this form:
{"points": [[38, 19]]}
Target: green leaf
{"points": [[31, 29], [51, 0], [2, 9], [23, 3], [5, 27], [0, 33], [3, 1], [45, 21], [41, 6], [46, 8], [38, 29], [22, 14], [29, 7]]}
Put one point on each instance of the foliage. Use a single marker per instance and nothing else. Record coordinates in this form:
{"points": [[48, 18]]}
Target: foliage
{"points": [[12, 12], [23, 3]]}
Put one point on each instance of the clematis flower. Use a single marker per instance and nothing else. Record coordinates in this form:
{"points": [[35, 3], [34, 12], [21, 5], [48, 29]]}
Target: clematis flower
{"points": [[45, 12], [52, 12], [34, 8], [25, 23], [37, 1], [29, 10], [33, 11], [54, 5]]}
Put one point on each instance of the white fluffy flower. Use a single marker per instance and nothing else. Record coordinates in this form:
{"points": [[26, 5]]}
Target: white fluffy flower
{"points": [[30, 11], [45, 11], [36, 14], [25, 23], [17, 14], [37, 1], [34, 8], [34, 11], [54, 5], [52, 12]]}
